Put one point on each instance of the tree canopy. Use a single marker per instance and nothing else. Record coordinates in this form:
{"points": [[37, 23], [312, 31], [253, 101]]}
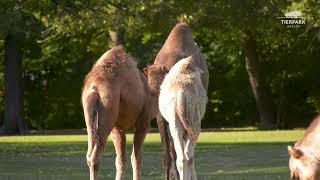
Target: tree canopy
{"points": [[60, 41]]}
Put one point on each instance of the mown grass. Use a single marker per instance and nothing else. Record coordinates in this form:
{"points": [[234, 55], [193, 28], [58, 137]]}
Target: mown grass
{"points": [[219, 155]]}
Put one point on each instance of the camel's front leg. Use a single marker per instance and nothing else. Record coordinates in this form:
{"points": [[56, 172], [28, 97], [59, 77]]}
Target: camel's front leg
{"points": [[136, 156], [119, 141]]}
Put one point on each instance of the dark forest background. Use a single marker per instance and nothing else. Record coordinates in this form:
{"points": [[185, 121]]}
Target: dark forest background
{"points": [[262, 73]]}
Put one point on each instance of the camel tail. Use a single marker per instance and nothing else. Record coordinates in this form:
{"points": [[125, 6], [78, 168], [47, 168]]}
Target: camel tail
{"points": [[183, 116], [189, 149], [93, 102], [193, 135]]}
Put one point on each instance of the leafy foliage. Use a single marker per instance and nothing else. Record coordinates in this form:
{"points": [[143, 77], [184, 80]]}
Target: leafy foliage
{"points": [[62, 39]]}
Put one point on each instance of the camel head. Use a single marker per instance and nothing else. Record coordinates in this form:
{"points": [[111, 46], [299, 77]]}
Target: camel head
{"points": [[155, 74], [303, 166]]}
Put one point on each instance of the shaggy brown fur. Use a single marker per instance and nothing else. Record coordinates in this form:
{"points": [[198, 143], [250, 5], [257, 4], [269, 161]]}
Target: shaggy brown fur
{"points": [[110, 64], [116, 98], [158, 73]]}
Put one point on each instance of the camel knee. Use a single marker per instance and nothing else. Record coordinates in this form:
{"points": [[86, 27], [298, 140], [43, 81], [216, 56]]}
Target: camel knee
{"points": [[180, 164], [88, 161], [88, 158], [121, 163], [134, 159], [99, 141], [189, 156], [94, 164], [166, 162], [189, 150], [190, 161]]}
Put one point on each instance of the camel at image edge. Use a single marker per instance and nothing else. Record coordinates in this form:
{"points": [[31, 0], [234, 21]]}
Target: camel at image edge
{"points": [[116, 98], [304, 160]]}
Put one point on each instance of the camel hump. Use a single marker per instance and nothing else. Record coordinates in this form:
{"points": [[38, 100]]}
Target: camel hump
{"points": [[178, 45], [181, 31], [181, 27], [113, 57], [117, 50], [113, 60]]}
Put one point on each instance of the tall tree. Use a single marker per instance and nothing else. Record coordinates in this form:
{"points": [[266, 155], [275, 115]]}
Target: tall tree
{"points": [[116, 23], [262, 98], [20, 28], [13, 120]]}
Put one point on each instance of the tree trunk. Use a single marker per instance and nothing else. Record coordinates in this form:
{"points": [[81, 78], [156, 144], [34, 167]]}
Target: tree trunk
{"points": [[259, 88], [13, 115], [115, 38], [116, 30], [318, 35]]}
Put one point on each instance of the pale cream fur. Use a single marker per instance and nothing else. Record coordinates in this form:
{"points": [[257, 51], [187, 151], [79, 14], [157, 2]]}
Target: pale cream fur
{"points": [[182, 102]]}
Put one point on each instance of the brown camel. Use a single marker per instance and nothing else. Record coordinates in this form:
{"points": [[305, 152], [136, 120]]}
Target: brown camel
{"points": [[116, 98], [179, 45]]}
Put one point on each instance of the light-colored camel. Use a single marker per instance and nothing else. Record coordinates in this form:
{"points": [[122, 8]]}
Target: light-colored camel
{"points": [[179, 45], [182, 102], [116, 98], [304, 160]]}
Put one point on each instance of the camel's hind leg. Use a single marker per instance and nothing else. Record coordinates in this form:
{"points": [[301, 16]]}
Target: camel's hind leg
{"points": [[90, 108], [119, 141], [177, 131], [105, 125], [193, 170], [90, 144], [136, 156], [96, 156], [168, 152], [173, 171], [189, 154], [164, 134]]}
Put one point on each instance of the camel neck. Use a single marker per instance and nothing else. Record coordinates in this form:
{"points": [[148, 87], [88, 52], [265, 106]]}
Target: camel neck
{"points": [[154, 98]]}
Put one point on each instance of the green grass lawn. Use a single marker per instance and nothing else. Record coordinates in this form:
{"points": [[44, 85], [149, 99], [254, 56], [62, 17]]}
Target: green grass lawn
{"points": [[219, 155]]}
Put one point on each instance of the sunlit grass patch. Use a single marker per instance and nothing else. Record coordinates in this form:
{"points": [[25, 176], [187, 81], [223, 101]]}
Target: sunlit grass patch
{"points": [[250, 136], [277, 169], [208, 137], [219, 155]]}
